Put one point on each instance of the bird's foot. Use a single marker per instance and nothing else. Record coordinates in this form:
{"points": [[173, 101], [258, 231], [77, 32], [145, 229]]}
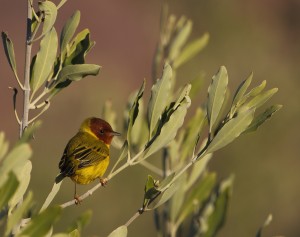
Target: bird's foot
{"points": [[77, 199], [103, 181]]}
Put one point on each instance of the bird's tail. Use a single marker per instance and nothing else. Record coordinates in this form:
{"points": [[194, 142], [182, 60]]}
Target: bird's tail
{"points": [[59, 178]]}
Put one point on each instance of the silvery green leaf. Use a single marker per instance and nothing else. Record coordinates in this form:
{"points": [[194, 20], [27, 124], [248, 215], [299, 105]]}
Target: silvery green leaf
{"points": [[191, 50], [261, 98], [231, 130], [265, 224], [3, 146], [9, 52], [23, 175], [69, 30], [182, 33], [213, 216], [197, 170], [169, 129], [121, 231], [44, 61], [160, 94], [8, 189], [256, 90], [197, 197], [263, 117], [242, 90], [134, 112], [166, 182], [216, 96], [197, 84], [52, 194], [16, 216], [50, 12], [28, 133], [61, 3], [15, 159], [42, 223]]}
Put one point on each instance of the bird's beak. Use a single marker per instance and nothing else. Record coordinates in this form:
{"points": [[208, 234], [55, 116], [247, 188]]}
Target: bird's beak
{"points": [[113, 133]]}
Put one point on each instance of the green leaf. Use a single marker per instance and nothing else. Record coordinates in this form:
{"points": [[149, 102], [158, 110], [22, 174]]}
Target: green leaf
{"points": [[8, 189], [18, 213], [151, 191], [216, 96], [74, 233], [3, 146], [50, 13], [69, 30], [197, 197], [23, 175], [42, 223], [28, 133], [63, 235], [9, 52], [213, 216], [266, 223], [191, 50], [231, 130], [73, 73], [192, 131], [166, 182], [168, 131], [52, 194], [108, 114], [166, 195], [179, 38], [160, 93], [133, 114], [17, 158], [81, 221], [197, 170], [263, 117], [61, 3], [197, 84], [262, 98], [256, 90], [121, 231], [45, 58], [242, 90], [79, 47]]}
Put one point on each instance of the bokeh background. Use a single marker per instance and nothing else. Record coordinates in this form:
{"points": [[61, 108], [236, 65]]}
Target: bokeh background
{"points": [[245, 36]]}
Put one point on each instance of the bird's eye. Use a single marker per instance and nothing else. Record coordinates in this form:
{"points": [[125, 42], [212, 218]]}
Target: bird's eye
{"points": [[101, 131]]}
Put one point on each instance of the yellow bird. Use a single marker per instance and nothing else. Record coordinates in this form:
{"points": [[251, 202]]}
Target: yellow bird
{"points": [[86, 156]]}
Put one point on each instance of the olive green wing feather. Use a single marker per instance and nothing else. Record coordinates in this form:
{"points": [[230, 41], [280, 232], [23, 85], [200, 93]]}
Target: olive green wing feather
{"points": [[83, 150]]}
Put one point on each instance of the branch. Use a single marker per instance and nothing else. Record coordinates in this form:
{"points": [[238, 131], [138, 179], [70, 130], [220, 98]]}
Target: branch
{"points": [[136, 215]]}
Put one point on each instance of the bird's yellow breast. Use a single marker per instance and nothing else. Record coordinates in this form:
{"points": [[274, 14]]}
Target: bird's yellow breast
{"points": [[90, 173]]}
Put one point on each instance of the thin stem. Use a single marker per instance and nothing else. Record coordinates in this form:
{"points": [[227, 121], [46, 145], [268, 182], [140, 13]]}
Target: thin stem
{"points": [[26, 90], [40, 113], [136, 215]]}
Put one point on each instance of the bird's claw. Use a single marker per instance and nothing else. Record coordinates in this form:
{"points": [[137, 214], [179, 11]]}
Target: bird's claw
{"points": [[77, 199], [103, 181]]}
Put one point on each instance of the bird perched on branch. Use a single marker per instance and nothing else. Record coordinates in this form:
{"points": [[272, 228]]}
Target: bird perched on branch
{"points": [[86, 156]]}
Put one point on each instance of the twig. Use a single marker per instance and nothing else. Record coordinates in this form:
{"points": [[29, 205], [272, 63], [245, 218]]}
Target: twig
{"points": [[42, 111], [136, 215], [15, 103]]}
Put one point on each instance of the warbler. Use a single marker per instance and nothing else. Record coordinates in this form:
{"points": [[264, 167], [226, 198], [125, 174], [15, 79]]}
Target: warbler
{"points": [[86, 156]]}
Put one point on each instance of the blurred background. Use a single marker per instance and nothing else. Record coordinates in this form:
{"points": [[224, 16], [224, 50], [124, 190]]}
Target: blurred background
{"points": [[245, 36]]}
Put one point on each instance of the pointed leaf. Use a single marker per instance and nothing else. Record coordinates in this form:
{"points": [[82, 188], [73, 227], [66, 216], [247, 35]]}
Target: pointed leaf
{"points": [[214, 213], [257, 90], [166, 182], [266, 223], [160, 93], [50, 13], [79, 47], [134, 112], [151, 191], [169, 129], [18, 213], [61, 3], [216, 96], [28, 133], [263, 117], [197, 197], [262, 98], [17, 158], [69, 30], [9, 52], [183, 31], [52, 194], [23, 175], [191, 50], [45, 58], [8, 189], [121, 231], [231, 130], [197, 170], [242, 90], [42, 223], [3, 146]]}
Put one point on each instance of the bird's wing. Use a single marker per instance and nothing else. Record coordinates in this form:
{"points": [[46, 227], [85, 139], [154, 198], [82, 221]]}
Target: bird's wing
{"points": [[82, 152]]}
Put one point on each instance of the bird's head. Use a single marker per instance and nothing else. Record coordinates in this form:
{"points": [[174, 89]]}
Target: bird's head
{"points": [[99, 128]]}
